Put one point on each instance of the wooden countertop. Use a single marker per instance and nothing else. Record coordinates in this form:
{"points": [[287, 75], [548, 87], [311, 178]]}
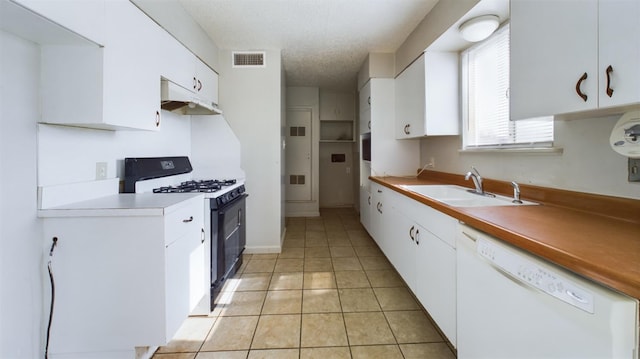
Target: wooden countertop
{"points": [[595, 245]]}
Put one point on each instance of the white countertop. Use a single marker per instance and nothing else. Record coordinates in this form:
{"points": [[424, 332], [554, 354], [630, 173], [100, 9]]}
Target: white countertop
{"points": [[124, 204]]}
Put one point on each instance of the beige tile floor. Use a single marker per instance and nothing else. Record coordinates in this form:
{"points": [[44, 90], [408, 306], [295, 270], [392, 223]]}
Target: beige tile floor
{"points": [[331, 293]]}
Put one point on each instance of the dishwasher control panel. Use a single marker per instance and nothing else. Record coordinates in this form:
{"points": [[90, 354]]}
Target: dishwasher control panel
{"points": [[536, 274]]}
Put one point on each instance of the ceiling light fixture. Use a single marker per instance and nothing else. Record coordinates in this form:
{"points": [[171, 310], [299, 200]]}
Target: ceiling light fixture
{"points": [[479, 28]]}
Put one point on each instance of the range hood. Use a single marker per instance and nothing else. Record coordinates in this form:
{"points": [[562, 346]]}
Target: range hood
{"points": [[178, 99]]}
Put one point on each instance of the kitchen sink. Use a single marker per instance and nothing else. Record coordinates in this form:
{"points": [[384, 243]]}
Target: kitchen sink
{"points": [[458, 196]]}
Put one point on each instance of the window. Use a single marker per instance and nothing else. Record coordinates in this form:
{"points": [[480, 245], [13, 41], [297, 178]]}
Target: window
{"points": [[485, 76]]}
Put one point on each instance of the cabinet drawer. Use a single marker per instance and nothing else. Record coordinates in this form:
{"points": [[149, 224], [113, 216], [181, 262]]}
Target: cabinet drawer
{"points": [[187, 220]]}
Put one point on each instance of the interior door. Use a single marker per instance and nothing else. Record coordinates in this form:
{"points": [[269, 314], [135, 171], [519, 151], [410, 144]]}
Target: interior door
{"points": [[298, 155]]}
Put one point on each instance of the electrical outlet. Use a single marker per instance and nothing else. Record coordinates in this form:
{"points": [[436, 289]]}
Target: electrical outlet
{"points": [[101, 170], [634, 169]]}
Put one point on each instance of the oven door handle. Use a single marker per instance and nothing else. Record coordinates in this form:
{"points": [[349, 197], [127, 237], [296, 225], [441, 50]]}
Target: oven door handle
{"points": [[240, 217]]}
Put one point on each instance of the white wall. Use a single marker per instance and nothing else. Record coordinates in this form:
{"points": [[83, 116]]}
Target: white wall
{"points": [[588, 163], [307, 97], [68, 154], [252, 102], [21, 261]]}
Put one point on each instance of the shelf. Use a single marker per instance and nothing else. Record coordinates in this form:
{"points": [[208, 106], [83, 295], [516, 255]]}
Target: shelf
{"points": [[337, 141], [336, 131]]}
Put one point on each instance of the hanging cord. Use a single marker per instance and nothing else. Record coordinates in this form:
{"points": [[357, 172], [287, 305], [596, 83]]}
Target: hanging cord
{"points": [[53, 296]]}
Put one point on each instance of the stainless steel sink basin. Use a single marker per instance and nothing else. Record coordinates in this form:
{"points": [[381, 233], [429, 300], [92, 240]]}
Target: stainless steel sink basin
{"points": [[458, 196]]}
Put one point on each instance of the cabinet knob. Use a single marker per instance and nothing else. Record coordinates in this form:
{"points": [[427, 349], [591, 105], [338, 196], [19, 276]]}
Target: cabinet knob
{"points": [[609, 89], [157, 118], [579, 90]]}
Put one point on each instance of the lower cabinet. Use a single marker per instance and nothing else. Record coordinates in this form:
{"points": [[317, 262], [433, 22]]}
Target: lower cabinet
{"points": [[420, 245], [365, 208], [124, 280]]}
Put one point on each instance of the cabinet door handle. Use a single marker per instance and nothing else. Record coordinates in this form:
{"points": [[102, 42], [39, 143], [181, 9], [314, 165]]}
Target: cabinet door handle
{"points": [[201, 235], [407, 129], [578, 84], [609, 89], [369, 100], [190, 219], [411, 233], [369, 124], [199, 85], [157, 118], [417, 236], [369, 200], [195, 83]]}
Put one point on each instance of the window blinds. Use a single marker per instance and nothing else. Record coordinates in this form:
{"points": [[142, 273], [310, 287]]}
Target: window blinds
{"points": [[487, 90]]}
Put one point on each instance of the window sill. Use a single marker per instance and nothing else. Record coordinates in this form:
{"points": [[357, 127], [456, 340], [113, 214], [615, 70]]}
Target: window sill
{"points": [[538, 151]]}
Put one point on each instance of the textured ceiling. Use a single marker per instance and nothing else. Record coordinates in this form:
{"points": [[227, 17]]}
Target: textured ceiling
{"points": [[323, 42]]}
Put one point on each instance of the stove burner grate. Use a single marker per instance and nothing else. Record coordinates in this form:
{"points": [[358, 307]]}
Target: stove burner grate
{"points": [[205, 186]]}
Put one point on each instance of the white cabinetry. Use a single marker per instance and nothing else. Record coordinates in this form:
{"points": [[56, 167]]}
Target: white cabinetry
{"points": [[124, 277], [182, 67], [366, 207], [584, 50], [114, 87], [423, 253], [380, 214], [427, 97], [365, 108], [389, 157], [84, 17], [335, 106]]}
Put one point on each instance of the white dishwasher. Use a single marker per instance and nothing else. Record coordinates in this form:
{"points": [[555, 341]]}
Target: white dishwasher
{"points": [[512, 304]]}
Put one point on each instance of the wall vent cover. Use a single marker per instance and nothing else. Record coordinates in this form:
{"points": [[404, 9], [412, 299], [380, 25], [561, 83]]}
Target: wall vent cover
{"points": [[249, 59]]}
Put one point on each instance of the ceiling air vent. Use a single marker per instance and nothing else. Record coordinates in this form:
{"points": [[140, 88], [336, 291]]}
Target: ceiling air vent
{"points": [[249, 59]]}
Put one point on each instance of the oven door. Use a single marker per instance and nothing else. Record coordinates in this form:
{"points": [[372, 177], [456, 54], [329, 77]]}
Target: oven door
{"points": [[233, 232]]}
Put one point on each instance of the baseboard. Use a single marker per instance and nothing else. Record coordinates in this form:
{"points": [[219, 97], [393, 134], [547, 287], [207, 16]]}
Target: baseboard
{"points": [[303, 214], [262, 249]]}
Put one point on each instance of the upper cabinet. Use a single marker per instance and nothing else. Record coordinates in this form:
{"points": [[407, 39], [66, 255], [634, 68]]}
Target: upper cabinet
{"points": [[182, 67], [337, 116], [336, 106], [427, 97], [585, 57], [365, 109], [87, 18], [112, 87]]}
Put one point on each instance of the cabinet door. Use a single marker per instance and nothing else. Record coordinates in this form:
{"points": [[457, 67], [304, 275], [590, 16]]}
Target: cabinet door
{"points": [[619, 47], [436, 281], [410, 100], [548, 61], [177, 62], [403, 246], [365, 97], [365, 208], [379, 216], [181, 255], [131, 70], [206, 81]]}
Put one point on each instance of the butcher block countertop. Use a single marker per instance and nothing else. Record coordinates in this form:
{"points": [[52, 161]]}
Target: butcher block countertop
{"points": [[597, 237]]}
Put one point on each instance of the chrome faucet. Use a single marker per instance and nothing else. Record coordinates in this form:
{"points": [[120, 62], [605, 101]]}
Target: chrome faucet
{"points": [[477, 180], [516, 193]]}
